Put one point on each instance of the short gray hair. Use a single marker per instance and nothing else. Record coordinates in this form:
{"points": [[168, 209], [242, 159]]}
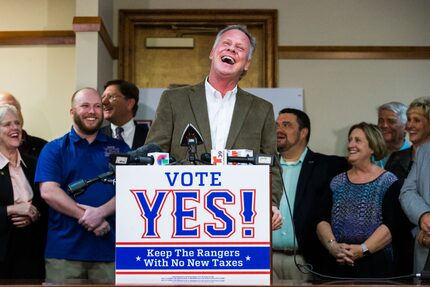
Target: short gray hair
{"points": [[4, 109], [243, 29], [396, 107]]}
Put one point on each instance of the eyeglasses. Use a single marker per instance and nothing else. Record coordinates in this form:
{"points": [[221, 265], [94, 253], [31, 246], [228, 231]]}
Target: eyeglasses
{"points": [[111, 98]]}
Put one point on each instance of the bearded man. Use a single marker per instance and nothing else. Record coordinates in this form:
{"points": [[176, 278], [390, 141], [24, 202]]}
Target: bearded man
{"points": [[306, 177], [81, 229]]}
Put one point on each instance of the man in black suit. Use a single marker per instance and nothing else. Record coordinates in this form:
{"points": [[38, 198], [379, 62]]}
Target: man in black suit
{"points": [[120, 103], [306, 176], [30, 145]]}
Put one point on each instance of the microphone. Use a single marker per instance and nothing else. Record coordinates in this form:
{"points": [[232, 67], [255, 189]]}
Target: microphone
{"points": [[191, 138], [205, 158], [423, 274], [126, 159], [162, 158], [144, 150], [259, 159], [78, 187], [191, 135], [137, 156]]}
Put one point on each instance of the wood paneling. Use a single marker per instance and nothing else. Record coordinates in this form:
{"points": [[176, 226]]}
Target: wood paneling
{"points": [[80, 24], [154, 67], [37, 38], [353, 52], [95, 24]]}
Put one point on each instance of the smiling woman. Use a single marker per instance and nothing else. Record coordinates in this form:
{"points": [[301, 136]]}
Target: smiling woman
{"points": [[418, 129], [359, 222], [22, 211]]}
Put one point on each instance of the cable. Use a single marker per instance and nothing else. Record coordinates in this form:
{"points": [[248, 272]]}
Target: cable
{"points": [[308, 268]]}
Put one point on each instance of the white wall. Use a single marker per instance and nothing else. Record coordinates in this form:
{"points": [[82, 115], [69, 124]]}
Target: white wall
{"points": [[337, 93]]}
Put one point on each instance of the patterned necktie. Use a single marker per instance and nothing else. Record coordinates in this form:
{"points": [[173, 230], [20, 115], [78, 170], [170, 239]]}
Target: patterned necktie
{"points": [[118, 133]]}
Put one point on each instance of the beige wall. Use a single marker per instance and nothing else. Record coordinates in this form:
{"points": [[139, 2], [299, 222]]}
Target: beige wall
{"points": [[41, 77], [338, 93]]}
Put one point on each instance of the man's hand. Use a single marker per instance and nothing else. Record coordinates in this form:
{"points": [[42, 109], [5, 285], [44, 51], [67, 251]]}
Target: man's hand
{"points": [[92, 218], [276, 218], [102, 229]]}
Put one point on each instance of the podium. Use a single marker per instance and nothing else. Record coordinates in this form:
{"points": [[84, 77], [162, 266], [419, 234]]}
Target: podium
{"points": [[193, 225]]}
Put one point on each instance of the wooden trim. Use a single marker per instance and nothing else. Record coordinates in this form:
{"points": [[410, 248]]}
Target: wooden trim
{"points": [[87, 24], [354, 52], [130, 19], [95, 24], [37, 38]]}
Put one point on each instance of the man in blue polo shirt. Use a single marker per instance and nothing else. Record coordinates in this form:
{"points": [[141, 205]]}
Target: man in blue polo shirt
{"points": [[81, 229]]}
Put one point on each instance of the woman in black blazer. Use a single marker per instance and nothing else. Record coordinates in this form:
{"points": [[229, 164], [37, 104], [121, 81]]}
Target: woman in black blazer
{"points": [[22, 211]]}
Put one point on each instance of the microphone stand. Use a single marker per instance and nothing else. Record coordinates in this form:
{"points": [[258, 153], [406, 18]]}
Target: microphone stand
{"points": [[192, 150], [78, 187], [190, 139]]}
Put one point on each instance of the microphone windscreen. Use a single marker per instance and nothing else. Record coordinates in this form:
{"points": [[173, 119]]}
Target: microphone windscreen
{"points": [[76, 186], [172, 159], [145, 149], [191, 133], [206, 158]]}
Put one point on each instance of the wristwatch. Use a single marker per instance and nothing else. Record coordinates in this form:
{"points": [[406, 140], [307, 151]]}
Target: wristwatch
{"points": [[365, 250]]}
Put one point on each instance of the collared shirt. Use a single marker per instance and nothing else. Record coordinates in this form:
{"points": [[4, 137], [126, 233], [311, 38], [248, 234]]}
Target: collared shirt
{"points": [[283, 238], [22, 191], [66, 160], [128, 133], [220, 111], [382, 162]]}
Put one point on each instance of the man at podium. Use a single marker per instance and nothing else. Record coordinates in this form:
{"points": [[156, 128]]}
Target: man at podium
{"points": [[226, 116]]}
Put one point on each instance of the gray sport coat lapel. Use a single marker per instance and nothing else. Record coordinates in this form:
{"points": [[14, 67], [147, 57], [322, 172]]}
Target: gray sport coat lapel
{"points": [[241, 109], [200, 109]]}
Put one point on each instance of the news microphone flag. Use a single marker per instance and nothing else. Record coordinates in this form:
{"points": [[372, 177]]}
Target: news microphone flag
{"points": [[160, 158], [219, 157]]}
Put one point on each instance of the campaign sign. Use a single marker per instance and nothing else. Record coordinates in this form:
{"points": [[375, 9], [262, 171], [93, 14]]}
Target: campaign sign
{"points": [[193, 225]]}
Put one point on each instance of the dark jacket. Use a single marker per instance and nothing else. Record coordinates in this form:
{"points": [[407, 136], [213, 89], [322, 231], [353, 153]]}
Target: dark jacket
{"points": [[139, 134], [315, 176], [400, 163], [25, 245], [31, 145]]}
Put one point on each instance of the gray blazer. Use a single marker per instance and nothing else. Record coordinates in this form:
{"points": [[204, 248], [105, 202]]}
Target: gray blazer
{"points": [[252, 127], [415, 198]]}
